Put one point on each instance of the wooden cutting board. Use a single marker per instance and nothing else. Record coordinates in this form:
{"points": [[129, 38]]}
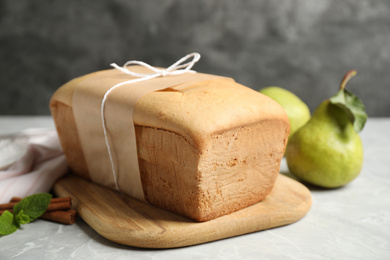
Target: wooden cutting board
{"points": [[127, 221]]}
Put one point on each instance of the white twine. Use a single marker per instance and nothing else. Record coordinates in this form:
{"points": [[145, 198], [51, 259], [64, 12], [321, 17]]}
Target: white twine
{"points": [[175, 69]]}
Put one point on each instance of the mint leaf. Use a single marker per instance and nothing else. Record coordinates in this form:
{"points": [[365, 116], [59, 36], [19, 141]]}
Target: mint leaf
{"points": [[7, 223], [352, 106], [33, 206], [22, 218]]}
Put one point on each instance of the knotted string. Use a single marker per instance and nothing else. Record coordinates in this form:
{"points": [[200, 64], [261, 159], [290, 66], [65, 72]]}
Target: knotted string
{"points": [[178, 68]]}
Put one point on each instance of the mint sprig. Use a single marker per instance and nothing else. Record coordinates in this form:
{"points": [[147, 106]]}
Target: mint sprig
{"points": [[27, 210], [350, 103]]}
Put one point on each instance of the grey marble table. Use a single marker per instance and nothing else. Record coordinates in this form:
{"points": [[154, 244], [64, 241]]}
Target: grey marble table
{"points": [[352, 222]]}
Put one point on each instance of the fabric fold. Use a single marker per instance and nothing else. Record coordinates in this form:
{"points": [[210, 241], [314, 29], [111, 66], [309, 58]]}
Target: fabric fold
{"points": [[36, 170]]}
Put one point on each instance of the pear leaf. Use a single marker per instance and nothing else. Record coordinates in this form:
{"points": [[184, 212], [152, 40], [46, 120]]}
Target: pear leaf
{"points": [[352, 106]]}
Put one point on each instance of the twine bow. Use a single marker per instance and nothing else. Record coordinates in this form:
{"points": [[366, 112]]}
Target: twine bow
{"points": [[178, 68], [175, 69]]}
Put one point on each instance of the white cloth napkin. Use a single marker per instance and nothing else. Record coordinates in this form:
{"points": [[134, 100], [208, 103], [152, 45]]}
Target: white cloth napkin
{"points": [[40, 163]]}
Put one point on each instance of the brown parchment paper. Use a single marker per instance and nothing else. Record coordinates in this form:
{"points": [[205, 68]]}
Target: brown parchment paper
{"points": [[118, 114]]}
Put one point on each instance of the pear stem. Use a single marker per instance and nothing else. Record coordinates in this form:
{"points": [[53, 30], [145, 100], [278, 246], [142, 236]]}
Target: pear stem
{"points": [[346, 78]]}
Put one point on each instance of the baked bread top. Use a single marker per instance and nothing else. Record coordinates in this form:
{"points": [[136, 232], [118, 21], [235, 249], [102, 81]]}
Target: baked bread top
{"points": [[194, 109]]}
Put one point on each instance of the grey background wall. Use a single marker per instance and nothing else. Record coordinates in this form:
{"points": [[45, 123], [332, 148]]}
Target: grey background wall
{"points": [[302, 45]]}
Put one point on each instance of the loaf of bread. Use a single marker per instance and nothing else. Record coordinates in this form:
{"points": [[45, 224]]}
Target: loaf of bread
{"points": [[205, 148]]}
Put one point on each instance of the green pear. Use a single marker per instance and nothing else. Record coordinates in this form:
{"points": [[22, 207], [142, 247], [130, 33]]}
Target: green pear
{"points": [[297, 111], [328, 151]]}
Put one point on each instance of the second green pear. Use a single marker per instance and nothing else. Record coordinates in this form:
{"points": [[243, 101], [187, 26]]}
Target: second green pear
{"points": [[297, 111]]}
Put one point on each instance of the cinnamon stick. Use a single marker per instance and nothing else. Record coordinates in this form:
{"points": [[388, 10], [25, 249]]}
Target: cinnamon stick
{"points": [[53, 200], [3, 210], [59, 210], [62, 205], [7, 206], [61, 216]]}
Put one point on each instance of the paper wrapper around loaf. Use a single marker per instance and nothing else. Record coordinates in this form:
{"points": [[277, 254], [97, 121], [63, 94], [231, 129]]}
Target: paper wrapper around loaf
{"points": [[206, 145]]}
